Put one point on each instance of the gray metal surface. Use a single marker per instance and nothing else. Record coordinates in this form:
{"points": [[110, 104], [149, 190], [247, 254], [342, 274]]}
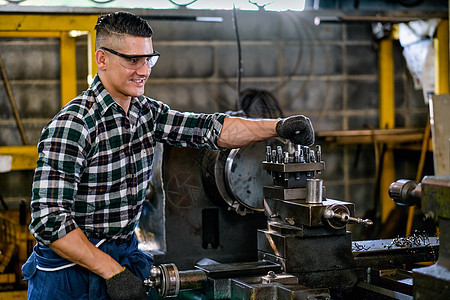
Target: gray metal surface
{"points": [[252, 289], [301, 212], [433, 282], [307, 254], [373, 247], [245, 177], [314, 188], [292, 168], [198, 220], [386, 254], [218, 163], [231, 270], [440, 128], [152, 227], [282, 193], [380, 292]]}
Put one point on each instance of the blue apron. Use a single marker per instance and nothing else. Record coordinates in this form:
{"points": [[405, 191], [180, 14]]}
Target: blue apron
{"points": [[53, 277]]}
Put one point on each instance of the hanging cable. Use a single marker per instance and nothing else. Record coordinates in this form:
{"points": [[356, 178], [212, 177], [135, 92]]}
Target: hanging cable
{"points": [[102, 1], [239, 73], [182, 5], [258, 103], [260, 7]]}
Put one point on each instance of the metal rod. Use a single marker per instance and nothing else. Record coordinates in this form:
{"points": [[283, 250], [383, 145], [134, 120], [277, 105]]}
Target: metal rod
{"points": [[13, 103]]}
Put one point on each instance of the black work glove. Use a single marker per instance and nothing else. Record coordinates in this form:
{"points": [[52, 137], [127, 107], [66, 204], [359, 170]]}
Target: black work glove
{"points": [[125, 285], [297, 129]]}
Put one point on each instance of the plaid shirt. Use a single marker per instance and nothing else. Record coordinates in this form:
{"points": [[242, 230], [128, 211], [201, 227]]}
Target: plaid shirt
{"points": [[95, 162]]}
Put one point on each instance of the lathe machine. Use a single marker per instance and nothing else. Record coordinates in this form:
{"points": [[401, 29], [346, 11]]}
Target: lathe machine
{"points": [[306, 252]]}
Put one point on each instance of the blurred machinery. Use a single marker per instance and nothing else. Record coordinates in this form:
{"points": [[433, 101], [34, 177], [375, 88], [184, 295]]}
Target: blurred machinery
{"points": [[16, 244], [304, 250], [432, 195]]}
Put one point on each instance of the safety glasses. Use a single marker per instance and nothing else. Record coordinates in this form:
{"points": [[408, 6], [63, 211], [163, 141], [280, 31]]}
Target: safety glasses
{"points": [[135, 62]]}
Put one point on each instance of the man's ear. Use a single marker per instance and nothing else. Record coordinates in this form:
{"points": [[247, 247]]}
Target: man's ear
{"points": [[100, 59]]}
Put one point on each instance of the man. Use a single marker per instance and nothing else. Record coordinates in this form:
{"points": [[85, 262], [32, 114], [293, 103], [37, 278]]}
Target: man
{"points": [[95, 160]]}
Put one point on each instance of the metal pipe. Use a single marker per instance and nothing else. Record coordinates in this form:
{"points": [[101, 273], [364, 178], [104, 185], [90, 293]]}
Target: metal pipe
{"points": [[314, 189], [192, 279], [168, 281]]}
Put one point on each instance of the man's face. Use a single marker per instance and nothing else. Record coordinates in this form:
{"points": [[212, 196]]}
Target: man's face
{"points": [[119, 77]]}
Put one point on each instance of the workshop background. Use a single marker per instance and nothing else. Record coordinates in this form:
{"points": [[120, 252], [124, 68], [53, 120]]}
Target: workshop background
{"points": [[339, 62]]}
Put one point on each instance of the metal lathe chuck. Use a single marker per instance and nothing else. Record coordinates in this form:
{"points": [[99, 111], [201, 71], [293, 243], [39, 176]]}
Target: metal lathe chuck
{"points": [[168, 280]]}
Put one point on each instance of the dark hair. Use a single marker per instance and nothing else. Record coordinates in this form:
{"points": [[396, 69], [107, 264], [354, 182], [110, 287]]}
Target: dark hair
{"points": [[121, 22]]}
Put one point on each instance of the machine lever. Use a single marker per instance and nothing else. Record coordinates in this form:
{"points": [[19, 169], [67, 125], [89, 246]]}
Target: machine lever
{"points": [[341, 215], [365, 222]]}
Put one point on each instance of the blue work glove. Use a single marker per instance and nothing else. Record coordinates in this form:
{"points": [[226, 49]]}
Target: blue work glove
{"points": [[297, 129], [125, 286]]}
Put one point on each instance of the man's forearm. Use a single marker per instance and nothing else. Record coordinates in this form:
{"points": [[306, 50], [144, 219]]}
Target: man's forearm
{"points": [[75, 247], [239, 132]]}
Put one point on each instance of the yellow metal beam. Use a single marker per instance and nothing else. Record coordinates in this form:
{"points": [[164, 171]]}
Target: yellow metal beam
{"points": [[30, 34], [47, 22], [68, 68], [386, 85], [23, 157], [16, 295], [386, 121], [57, 26], [48, 26], [441, 59]]}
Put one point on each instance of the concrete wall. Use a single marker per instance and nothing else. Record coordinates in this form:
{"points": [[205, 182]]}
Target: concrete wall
{"points": [[328, 72]]}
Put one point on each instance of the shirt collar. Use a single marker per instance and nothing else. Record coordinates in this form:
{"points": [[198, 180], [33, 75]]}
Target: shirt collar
{"points": [[103, 98]]}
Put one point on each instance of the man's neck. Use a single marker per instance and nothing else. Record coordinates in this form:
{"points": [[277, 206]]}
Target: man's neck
{"points": [[121, 99], [124, 103]]}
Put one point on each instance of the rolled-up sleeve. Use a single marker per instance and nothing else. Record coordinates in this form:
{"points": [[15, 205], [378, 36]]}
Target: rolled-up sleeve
{"points": [[60, 163], [187, 129]]}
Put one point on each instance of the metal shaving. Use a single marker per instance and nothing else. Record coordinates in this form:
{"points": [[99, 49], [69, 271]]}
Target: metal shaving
{"points": [[360, 247], [417, 239]]}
